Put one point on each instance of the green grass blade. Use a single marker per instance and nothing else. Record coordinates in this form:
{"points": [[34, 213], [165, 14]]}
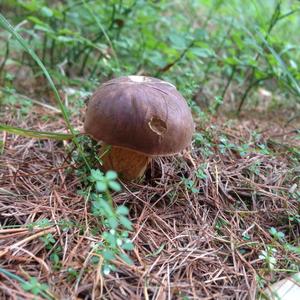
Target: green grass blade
{"points": [[36, 134], [7, 26], [12, 276]]}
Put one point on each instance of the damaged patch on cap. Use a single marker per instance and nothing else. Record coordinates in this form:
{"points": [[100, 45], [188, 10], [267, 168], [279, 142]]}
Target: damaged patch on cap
{"points": [[158, 126]]}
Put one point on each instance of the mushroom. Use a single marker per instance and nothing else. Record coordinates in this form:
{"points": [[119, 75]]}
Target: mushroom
{"points": [[139, 117]]}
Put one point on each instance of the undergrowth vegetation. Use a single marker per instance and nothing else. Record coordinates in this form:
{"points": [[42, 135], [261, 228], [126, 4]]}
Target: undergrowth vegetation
{"points": [[227, 209], [210, 47]]}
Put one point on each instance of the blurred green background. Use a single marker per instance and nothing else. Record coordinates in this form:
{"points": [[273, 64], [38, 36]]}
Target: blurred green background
{"points": [[232, 55]]}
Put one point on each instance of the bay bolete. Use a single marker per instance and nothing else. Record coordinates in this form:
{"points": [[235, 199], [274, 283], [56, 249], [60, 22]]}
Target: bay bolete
{"points": [[139, 117]]}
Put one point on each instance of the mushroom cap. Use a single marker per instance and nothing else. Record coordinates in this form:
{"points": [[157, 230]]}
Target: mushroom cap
{"points": [[140, 113]]}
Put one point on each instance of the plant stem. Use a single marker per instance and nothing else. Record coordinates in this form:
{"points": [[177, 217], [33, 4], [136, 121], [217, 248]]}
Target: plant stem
{"points": [[5, 57], [247, 91], [251, 71], [175, 61]]}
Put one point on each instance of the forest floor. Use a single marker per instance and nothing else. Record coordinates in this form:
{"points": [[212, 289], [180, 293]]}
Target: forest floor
{"points": [[218, 221]]}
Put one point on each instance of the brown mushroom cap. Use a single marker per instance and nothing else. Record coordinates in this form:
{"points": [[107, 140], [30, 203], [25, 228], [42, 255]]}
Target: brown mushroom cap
{"points": [[140, 113]]}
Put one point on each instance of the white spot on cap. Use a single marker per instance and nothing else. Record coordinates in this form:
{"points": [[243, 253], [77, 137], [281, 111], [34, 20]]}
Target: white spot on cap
{"points": [[140, 79], [137, 78]]}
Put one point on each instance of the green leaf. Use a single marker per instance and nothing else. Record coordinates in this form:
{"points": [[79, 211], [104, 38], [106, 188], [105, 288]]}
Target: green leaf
{"points": [[177, 41], [108, 254], [36, 21], [107, 209], [54, 258], [113, 268], [44, 28], [110, 238], [115, 186], [97, 209], [35, 290], [96, 175], [95, 260], [113, 222], [101, 186], [106, 269], [42, 223], [126, 258], [201, 52], [157, 59], [31, 5], [46, 12], [65, 39], [231, 61], [125, 222], [122, 210], [199, 34], [111, 175], [124, 234], [128, 246], [27, 286]]}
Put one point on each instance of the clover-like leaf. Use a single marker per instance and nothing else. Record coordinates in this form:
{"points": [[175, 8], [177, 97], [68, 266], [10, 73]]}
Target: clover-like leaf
{"points": [[101, 186], [122, 210], [111, 175], [115, 186], [128, 245], [125, 222], [126, 258], [108, 254]]}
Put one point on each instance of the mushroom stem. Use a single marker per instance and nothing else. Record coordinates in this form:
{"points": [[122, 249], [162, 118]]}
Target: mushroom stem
{"points": [[130, 165]]}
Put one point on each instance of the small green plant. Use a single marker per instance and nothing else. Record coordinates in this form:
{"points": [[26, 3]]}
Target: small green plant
{"points": [[254, 168], [213, 108], [43, 223], [263, 149], [114, 220], [89, 154], [203, 143], [261, 282], [268, 256], [246, 236], [278, 235], [220, 223], [225, 145], [66, 225], [113, 246], [48, 240], [105, 182], [33, 286], [55, 256], [72, 274], [243, 149], [200, 172], [190, 185], [294, 218], [13, 100]]}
